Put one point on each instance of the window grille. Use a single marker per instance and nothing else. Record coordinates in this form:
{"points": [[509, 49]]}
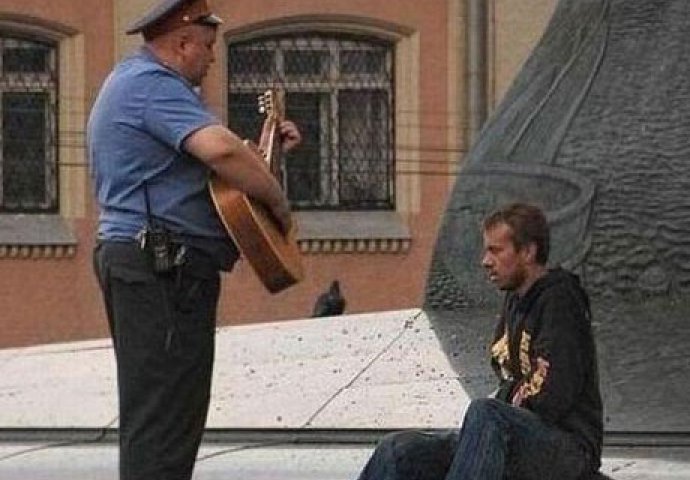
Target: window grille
{"points": [[339, 91], [28, 130]]}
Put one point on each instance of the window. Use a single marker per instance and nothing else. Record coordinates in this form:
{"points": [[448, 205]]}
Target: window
{"points": [[339, 90], [28, 132]]}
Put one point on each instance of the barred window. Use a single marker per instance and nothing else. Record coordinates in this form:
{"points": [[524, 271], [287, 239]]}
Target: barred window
{"points": [[28, 131], [339, 91]]}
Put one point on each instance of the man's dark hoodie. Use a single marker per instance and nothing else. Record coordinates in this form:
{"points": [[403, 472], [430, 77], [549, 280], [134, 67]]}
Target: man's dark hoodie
{"points": [[545, 357]]}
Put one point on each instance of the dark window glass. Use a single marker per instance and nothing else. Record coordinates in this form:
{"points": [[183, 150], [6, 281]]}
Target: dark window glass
{"points": [[362, 61], [305, 170], [245, 118], [24, 150], [30, 59], [28, 126], [249, 61], [339, 91], [364, 148], [306, 62]]}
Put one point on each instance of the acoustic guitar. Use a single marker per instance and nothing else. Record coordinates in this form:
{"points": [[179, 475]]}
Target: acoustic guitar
{"points": [[275, 257]]}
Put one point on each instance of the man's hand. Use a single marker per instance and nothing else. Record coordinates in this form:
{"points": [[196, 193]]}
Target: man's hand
{"points": [[289, 135], [241, 167], [281, 213]]}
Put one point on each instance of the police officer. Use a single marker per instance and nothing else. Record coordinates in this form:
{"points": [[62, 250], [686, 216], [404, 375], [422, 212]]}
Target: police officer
{"points": [[152, 144]]}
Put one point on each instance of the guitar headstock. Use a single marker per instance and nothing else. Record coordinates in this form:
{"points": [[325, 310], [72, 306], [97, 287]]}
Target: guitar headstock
{"points": [[272, 104]]}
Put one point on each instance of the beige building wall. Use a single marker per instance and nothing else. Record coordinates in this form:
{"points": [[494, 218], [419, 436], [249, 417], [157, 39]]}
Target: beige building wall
{"points": [[125, 12], [515, 26], [379, 272], [47, 288]]}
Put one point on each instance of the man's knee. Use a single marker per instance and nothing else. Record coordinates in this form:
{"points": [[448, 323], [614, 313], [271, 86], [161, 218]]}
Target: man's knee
{"points": [[395, 456], [417, 443], [412, 454], [401, 442], [483, 409], [389, 441]]}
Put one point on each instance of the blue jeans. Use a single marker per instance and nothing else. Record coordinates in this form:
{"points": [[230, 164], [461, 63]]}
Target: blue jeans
{"points": [[497, 442]]}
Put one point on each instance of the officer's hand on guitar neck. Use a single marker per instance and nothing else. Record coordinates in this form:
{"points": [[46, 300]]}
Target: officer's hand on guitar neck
{"points": [[289, 135]]}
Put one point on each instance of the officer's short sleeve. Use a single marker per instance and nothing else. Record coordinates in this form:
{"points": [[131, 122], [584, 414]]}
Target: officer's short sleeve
{"points": [[174, 111]]}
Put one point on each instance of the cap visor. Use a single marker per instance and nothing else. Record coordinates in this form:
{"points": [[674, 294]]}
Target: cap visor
{"points": [[211, 20]]}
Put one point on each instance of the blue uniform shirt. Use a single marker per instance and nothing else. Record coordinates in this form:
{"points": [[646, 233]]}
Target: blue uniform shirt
{"points": [[140, 119]]}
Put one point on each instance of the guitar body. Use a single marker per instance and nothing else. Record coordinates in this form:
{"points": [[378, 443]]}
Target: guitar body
{"points": [[275, 258]]}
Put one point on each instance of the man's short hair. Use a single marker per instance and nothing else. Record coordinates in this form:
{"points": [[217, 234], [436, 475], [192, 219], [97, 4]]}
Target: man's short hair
{"points": [[527, 224]]}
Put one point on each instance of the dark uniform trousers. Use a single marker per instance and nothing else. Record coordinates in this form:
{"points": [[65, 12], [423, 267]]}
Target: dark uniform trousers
{"points": [[163, 330]]}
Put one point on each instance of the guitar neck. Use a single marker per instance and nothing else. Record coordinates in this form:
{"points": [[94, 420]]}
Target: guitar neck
{"points": [[271, 102]]}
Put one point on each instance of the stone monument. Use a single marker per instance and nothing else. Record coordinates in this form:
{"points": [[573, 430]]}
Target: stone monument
{"points": [[596, 130]]}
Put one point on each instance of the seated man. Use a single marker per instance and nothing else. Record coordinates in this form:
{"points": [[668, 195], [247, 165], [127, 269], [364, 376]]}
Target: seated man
{"points": [[545, 421]]}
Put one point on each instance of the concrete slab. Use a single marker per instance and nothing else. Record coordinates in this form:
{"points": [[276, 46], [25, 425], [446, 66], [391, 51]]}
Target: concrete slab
{"points": [[281, 374], [380, 370], [246, 462], [327, 372], [647, 463], [281, 463], [52, 462], [429, 404], [62, 385]]}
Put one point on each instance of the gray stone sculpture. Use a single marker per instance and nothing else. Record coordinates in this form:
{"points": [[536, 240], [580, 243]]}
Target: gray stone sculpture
{"points": [[596, 130]]}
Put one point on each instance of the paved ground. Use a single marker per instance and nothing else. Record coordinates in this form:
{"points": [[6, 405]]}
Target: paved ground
{"points": [[381, 371], [286, 463]]}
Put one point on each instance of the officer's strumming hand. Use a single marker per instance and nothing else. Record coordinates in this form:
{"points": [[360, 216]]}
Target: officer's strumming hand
{"points": [[281, 213]]}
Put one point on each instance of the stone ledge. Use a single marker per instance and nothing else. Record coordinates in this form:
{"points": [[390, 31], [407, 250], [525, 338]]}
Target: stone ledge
{"points": [[37, 251], [35, 236], [352, 232]]}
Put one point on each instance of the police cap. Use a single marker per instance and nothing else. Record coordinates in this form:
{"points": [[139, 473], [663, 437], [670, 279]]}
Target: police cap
{"points": [[169, 15]]}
